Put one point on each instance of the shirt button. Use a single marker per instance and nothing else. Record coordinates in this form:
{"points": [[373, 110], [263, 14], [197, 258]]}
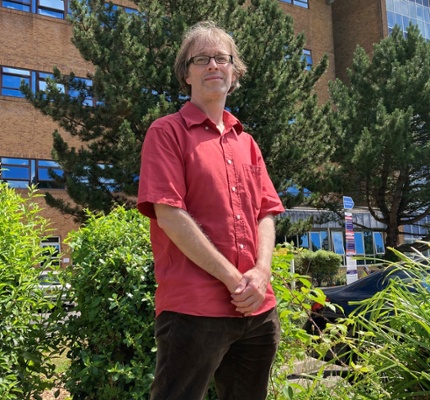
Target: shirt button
{"points": [[238, 216], [206, 127], [229, 161], [241, 246], [233, 189]]}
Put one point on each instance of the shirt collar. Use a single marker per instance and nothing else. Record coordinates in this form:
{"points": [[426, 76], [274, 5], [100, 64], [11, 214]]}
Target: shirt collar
{"points": [[192, 115]]}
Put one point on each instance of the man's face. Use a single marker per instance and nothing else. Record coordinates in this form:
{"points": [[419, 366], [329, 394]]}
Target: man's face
{"points": [[214, 79]]}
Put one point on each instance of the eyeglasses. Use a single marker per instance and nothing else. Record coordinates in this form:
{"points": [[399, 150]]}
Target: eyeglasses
{"points": [[205, 60]]}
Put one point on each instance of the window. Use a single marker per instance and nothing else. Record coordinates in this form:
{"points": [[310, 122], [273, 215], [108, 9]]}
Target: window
{"points": [[22, 172], [11, 79], [304, 241], [403, 12], [21, 5], [42, 178], [338, 246], [129, 10], [52, 245], [88, 101], [368, 243], [417, 231], [319, 240], [300, 3], [42, 84], [378, 241], [359, 243], [16, 171], [51, 8], [307, 56]]}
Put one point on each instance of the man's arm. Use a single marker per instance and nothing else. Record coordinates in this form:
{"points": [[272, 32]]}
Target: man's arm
{"points": [[184, 232], [251, 291]]}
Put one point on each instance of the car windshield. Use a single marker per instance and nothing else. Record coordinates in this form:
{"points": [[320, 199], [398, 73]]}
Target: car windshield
{"points": [[48, 280]]}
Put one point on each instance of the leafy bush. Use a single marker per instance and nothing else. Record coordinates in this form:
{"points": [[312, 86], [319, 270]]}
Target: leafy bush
{"points": [[110, 337], [322, 265], [295, 295], [24, 338]]}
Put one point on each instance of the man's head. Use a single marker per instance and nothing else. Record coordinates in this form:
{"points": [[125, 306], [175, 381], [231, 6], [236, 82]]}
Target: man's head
{"points": [[201, 35]]}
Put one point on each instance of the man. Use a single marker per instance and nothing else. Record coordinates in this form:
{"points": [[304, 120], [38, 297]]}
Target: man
{"points": [[211, 203]]}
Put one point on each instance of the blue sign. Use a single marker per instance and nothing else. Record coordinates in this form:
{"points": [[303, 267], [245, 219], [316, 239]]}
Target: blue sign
{"points": [[348, 203]]}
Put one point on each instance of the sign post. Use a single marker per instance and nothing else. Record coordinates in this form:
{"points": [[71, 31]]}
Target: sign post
{"points": [[351, 263]]}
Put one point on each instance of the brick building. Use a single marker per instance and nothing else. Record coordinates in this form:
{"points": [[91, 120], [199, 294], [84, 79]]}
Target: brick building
{"points": [[34, 37]]}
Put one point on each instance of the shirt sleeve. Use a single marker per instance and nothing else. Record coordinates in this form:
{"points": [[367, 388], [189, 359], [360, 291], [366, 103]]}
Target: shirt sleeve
{"points": [[162, 178], [270, 201]]}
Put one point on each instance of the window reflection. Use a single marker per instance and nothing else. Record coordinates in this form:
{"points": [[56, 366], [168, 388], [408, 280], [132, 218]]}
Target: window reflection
{"points": [[57, 9], [22, 172], [11, 79], [300, 3], [378, 240], [337, 238], [403, 12]]}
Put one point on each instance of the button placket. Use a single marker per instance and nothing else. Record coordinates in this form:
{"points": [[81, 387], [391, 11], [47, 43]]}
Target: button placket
{"points": [[232, 175]]}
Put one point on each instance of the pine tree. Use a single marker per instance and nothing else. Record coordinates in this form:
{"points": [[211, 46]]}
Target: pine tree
{"points": [[133, 84], [384, 150]]}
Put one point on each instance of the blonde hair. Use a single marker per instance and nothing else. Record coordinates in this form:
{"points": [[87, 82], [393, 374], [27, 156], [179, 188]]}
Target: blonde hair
{"points": [[207, 32]]}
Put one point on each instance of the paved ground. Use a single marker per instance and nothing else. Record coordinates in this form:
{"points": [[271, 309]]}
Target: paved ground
{"points": [[304, 370]]}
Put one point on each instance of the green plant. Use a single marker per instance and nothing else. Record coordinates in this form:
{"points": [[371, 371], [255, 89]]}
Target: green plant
{"points": [[24, 332], [295, 295], [393, 344], [110, 339], [322, 265]]}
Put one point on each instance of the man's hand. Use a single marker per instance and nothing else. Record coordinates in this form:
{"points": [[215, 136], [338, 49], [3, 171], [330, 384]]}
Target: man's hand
{"points": [[251, 291]]}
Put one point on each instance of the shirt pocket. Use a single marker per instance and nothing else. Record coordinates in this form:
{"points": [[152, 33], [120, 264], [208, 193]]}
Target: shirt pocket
{"points": [[253, 184]]}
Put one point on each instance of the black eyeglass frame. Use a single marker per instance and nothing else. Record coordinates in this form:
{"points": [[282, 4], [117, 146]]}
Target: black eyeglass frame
{"points": [[230, 61]]}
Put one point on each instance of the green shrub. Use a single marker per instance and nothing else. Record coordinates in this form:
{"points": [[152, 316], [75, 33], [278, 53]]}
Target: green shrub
{"points": [[110, 338], [295, 295], [24, 339], [322, 265]]}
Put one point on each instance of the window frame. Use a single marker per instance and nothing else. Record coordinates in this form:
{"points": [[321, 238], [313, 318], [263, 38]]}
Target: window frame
{"points": [[299, 3], [35, 169], [21, 5], [55, 242], [14, 73]]}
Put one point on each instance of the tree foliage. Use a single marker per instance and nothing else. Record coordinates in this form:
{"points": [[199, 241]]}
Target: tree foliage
{"points": [[384, 150], [133, 83]]}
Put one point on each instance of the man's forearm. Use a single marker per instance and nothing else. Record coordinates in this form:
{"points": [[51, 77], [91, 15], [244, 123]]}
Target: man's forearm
{"points": [[184, 232], [266, 243]]}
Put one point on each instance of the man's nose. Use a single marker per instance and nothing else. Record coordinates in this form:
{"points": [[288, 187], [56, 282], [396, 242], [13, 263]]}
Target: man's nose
{"points": [[212, 63]]}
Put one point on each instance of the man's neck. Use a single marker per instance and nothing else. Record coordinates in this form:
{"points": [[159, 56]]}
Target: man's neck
{"points": [[214, 110]]}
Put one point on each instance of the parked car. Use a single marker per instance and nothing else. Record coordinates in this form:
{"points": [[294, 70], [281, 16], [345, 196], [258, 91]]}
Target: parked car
{"points": [[346, 298], [52, 288]]}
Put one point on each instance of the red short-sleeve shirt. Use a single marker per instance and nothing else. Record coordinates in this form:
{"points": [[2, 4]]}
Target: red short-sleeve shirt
{"points": [[222, 182]]}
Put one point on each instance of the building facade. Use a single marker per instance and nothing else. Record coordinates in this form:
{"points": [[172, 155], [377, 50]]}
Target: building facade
{"points": [[35, 37]]}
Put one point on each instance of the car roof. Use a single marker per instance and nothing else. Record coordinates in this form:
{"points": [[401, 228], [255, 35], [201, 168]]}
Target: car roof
{"points": [[372, 283]]}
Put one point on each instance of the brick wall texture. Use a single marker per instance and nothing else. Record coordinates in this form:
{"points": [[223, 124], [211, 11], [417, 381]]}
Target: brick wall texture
{"points": [[355, 22]]}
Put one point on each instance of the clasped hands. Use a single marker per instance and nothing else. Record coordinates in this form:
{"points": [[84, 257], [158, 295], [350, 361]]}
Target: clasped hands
{"points": [[249, 294]]}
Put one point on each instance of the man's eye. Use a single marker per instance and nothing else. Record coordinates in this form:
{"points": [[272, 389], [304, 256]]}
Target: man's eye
{"points": [[201, 60], [222, 59]]}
